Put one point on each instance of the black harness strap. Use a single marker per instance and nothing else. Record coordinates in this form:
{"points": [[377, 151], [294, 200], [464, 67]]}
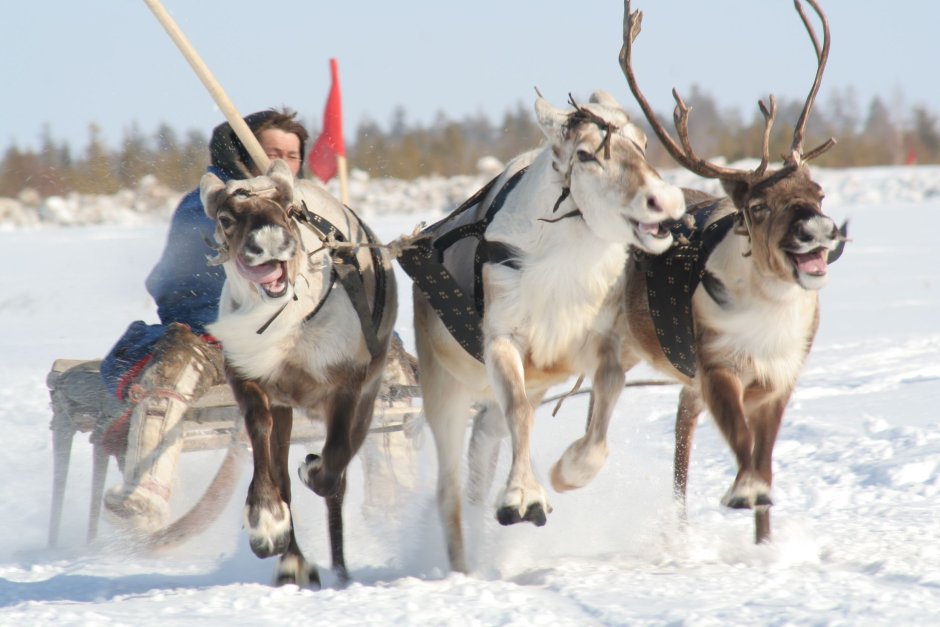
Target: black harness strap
{"points": [[347, 271], [672, 278], [423, 262]]}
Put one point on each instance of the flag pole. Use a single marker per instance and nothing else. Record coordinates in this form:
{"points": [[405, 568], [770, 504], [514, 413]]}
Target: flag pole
{"points": [[343, 179], [215, 89]]}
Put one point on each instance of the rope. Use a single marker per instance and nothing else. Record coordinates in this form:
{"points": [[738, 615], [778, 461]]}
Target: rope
{"points": [[138, 393], [629, 384]]}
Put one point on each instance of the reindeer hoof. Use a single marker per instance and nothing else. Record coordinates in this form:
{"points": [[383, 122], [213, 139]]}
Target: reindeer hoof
{"points": [[763, 500], [534, 514], [269, 529], [266, 547], [736, 502], [748, 494], [313, 476], [297, 571]]}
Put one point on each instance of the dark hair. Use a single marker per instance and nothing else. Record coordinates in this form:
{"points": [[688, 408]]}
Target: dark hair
{"points": [[227, 152]]}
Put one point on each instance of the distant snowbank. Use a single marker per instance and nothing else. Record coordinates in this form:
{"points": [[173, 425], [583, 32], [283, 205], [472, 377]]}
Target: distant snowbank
{"points": [[151, 202]]}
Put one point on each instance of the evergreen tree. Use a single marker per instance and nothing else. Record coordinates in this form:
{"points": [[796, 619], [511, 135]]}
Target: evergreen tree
{"points": [[135, 159], [95, 175]]}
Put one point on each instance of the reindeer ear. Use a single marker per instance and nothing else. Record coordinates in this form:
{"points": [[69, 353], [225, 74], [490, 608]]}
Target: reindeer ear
{"points": [[211, 193], [736, 190], [283, 179], [550, 119], [602, 97]]}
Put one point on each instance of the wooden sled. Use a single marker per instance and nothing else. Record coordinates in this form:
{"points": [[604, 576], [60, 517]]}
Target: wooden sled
{"points": [[80, 401]]}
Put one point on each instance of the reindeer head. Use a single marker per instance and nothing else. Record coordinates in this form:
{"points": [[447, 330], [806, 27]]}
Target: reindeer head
{"points": [[257, 238], [779, 210], [601, 158]]}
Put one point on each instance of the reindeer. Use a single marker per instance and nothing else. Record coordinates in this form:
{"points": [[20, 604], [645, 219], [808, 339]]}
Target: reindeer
{"points": [[737, 324], [305, 320], [542, 250]]}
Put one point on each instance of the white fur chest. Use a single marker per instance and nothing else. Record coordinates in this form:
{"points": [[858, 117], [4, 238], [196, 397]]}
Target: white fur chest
{"points": [[554, 302], [290, 339], [762, 339]]}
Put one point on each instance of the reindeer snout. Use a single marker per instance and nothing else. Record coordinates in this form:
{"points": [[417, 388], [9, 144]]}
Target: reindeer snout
{"points": [[269, 243], [666, 199], [802, 234]]}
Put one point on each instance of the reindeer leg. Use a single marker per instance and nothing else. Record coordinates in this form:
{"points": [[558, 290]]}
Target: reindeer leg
{"points": [[348, 418], [489, 430], [765, 424], [523, 498], [690, 406], [445, 402], [585, 457], [267, 516], [323, 473], [724, 396], [334, 509], [292, 568]]}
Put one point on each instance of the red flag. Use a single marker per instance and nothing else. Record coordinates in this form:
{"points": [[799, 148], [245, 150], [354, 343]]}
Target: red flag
{"points": [[329, 145]]}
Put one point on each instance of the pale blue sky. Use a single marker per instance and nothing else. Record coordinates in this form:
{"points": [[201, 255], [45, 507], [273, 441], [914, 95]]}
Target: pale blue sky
{"points": [[70, 63]]}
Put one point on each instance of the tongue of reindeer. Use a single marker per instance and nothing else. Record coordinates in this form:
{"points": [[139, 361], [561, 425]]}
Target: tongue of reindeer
{"points": [[263, 273], [812, 263], [649, 229]]}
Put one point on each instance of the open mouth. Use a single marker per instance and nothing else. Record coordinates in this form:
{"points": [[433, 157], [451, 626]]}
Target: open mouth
{"points": [[814, 263], [657, 230], [271, 276]]}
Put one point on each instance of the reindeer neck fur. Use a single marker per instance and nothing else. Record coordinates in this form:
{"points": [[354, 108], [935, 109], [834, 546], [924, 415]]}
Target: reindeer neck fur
{"points": [[766, 325], [290, 339], [565, 275]]}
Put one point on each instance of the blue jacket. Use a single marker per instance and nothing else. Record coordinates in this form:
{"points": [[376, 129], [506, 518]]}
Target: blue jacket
{"points": [[185, 288]]}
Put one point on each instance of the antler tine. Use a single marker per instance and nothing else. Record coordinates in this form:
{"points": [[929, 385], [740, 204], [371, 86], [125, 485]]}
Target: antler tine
{"points": [[822, 56], [684, 155], [769, 116]]}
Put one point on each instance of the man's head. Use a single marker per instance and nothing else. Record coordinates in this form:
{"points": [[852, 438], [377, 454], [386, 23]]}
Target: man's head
{"points": [[281, 137]]}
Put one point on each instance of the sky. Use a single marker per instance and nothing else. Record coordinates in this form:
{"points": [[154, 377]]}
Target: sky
{"points": [[856, 468], [68, 64]]}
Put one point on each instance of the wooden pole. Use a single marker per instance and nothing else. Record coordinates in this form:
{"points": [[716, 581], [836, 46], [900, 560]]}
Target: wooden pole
{"points": [[215, 89], [343, 179]]}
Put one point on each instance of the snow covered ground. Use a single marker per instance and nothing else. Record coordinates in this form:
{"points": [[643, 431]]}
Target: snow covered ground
{"points": [[857, 464]]}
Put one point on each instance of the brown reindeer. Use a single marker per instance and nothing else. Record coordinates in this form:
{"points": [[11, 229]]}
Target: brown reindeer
{"points": [[305, 320], [732, 310]]}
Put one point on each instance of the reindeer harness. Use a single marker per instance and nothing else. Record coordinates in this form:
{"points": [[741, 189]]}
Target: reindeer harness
{"points": [[346, 269], [673, 277], [424, 260], [424, 263]]}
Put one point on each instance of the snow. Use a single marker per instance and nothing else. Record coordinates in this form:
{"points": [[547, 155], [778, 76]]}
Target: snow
{"points": [[857, 463]]}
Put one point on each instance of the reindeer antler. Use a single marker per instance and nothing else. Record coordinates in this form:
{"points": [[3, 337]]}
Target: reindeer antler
{"points": [[822, 56], [685, 154]]}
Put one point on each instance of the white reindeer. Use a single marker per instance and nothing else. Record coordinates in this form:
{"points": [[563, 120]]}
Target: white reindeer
{"points": [[552, 234]]}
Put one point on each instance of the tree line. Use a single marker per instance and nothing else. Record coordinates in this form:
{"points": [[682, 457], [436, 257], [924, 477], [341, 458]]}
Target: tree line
{"points": [[879, 134]]}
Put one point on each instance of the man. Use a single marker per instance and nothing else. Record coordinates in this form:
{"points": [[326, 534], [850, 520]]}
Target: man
{"points": [[159, 369]]}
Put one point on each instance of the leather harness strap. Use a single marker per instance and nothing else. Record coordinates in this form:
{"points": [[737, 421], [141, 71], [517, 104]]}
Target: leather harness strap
{"points": [[424, 263], [672, 278], [347, 271]]}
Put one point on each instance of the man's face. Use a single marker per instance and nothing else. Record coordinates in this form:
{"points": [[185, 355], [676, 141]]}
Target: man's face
{"points": [[278, 144]]}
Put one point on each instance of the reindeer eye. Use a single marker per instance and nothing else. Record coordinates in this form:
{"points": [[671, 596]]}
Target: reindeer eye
{"points": [[585, 156], [225, 221], [760, 208]]}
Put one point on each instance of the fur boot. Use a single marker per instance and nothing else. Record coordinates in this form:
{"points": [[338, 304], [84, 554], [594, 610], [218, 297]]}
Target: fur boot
{"points": [[182, 369]]}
